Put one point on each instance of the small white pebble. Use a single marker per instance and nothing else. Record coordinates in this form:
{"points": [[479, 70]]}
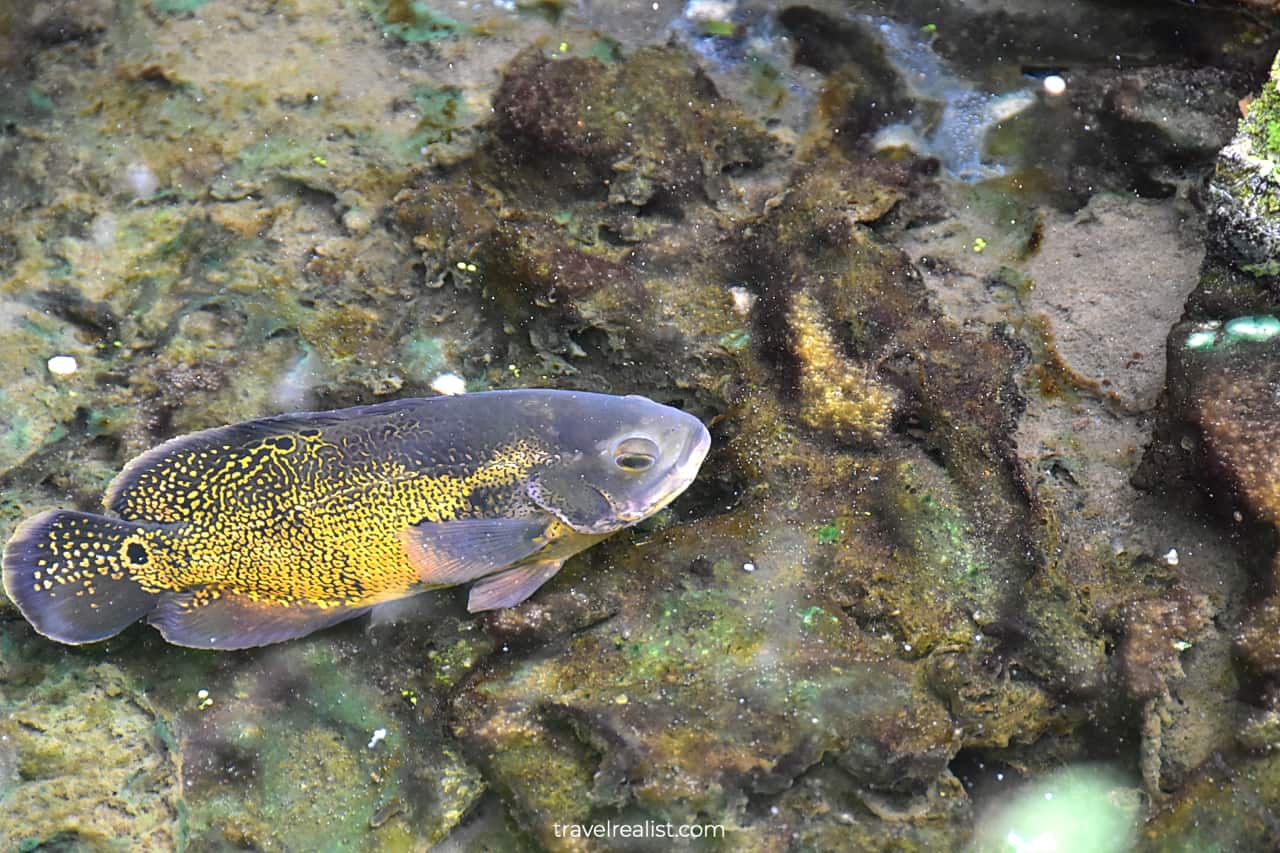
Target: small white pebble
{"points": [[748, 567], [449, 384], [743, 300], [378, 735], [1171, 558], [63, 365], [202, 693], [1054, 85]]}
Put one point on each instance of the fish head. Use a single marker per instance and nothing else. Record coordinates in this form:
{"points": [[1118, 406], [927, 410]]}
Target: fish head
{"points": [[618, 460]]}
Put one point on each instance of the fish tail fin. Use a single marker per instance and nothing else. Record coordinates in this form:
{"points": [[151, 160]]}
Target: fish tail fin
{"points": [[78, 577]]}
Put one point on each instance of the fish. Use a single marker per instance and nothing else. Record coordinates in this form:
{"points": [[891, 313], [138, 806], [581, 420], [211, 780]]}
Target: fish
{"points": [[271, 529]]}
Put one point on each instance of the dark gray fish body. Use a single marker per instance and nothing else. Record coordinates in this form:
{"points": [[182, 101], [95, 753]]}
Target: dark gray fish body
{"points": [[271, 529]]}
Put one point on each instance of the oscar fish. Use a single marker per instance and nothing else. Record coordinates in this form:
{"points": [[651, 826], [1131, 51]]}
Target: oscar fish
{"points": [[271, 529]]}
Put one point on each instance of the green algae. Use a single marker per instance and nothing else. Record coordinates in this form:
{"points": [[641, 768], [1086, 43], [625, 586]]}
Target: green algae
{"points": [[674, 673], [423, 358], [713, 27], [413, 21], [1245, 185], [1262, 122], [439, 107], [949, 579], [39, 100], [736, 339], [830, 534], [932, 524], [605, 50], [300, 745], [275, 154], [89, 718], [177, 7]]}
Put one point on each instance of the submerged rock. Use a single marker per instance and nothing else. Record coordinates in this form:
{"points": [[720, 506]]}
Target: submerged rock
{"points": [[1214, 451], [85, 761], [653, 128], [1245, 191], [703, 693]]}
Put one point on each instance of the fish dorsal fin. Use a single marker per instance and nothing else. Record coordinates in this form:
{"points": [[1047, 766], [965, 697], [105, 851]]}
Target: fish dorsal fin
{"points": [[236, 621], [153, 486], [452, 552], [511, 587]]}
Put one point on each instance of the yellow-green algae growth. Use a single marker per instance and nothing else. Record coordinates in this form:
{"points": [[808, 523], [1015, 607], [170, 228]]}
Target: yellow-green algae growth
{"points": [[86, 764]]}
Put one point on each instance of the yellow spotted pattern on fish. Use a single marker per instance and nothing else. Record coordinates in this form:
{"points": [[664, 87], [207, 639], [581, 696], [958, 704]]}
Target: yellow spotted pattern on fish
{"points": [[271, 529], [285, 525]]}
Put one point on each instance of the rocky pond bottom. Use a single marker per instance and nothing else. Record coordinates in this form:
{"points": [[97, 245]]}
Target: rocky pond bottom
{"points": [[984, 549]]}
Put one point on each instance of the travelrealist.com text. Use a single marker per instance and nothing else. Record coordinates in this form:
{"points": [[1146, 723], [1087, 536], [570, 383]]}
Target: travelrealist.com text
{"points": [[647, 829]]}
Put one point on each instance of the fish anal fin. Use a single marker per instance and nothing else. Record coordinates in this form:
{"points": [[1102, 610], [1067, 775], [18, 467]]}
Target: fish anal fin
{"points": [[224, 619], [452, 552], [509, 588]]}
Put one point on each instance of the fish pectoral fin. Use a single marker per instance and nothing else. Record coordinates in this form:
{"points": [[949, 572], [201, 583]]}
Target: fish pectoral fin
{"points": [[236, 621], [452, 552], [511, 587]]}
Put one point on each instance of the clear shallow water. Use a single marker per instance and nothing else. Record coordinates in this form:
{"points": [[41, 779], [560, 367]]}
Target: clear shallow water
{"points": [[955, 130], [912, 581]]}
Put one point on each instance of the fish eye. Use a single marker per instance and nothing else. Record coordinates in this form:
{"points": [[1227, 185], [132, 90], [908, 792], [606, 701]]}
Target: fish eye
{"points": [[635, 454], [633, 461]]}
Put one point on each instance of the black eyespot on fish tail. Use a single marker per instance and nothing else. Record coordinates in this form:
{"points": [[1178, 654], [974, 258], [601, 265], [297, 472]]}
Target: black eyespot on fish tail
{"points": [[65, 572]]}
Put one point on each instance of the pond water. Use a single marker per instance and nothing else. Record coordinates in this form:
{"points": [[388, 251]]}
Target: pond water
{"points": [[977, 302]]}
